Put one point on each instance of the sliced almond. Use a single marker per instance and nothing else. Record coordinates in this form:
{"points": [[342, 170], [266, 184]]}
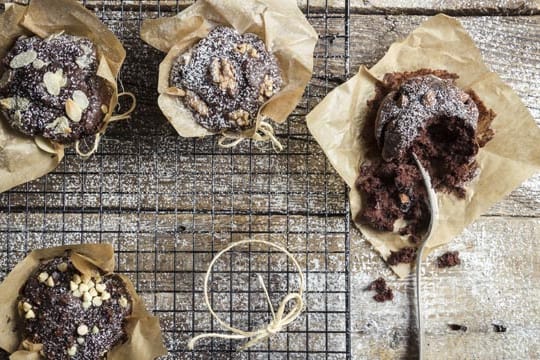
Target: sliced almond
{"points": [[60, 125], [7, 103], [175, 91], [54, 81], [73, 111], [38, 64], [83, 61], [80, 98], [6, 78], [54, 36], [23, 59], [21, 103]]}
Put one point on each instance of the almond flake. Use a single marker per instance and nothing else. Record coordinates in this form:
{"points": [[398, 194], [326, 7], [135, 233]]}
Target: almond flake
{"points": [[175, 91], [54, 36], [38, 64], [23, 59], [54, 81], [73, 111], [60, 126], [6, 78], [7, 103], [80, 98]]}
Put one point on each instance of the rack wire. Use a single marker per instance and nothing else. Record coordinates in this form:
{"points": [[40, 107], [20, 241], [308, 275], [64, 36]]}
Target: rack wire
{"points": [[168, 204]]}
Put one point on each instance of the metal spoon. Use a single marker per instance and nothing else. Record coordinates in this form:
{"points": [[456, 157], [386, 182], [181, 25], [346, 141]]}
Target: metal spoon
{"points": [[434, 214]]}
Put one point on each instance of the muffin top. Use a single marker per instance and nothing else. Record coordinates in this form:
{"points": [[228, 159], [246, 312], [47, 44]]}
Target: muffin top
{"points": [[50, 87], [73, 316], [403, 112], [225, 78]]}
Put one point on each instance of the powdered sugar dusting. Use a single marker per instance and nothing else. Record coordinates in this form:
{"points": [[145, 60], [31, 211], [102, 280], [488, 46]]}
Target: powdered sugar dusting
{"points": [[403, 113]]}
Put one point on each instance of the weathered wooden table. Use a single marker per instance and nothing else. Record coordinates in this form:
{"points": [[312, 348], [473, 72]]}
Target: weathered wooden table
{"points": [[168, 204]]}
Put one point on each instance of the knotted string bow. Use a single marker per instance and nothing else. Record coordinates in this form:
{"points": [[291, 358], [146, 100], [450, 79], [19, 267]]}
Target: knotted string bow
{"points": [[280, 319], [264, 132], [97, 138]]}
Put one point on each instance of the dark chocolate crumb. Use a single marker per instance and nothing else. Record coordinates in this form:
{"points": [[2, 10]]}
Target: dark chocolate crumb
{"points": [[383, 292], [403, 256], [457, 327], [499, 328], [448, 259]]}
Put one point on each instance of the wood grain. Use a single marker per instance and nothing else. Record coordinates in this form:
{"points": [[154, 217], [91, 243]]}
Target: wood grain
{"points": [[413, 7], [166, 203]]}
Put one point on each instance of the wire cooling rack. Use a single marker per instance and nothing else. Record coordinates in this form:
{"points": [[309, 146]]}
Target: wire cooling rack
{"points": [[169, 204]]}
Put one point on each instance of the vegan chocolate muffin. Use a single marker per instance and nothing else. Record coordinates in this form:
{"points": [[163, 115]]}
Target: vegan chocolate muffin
{"points": [[50, 87], [225, 79], [424, 113], [71, 315]]}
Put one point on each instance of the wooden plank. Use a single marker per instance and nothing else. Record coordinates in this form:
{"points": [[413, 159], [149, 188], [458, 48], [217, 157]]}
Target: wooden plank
{"points": [[457, 7], [497, 282]]}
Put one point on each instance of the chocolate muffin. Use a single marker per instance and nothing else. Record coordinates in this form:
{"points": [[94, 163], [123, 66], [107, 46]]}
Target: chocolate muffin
{"points": [[50, 87], [424, 113], [225, 79], [73, 316]]}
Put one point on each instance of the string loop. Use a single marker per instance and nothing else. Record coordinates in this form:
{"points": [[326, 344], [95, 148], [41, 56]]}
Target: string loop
{"points": [[118, 117], [280, 319], [265, 132]]}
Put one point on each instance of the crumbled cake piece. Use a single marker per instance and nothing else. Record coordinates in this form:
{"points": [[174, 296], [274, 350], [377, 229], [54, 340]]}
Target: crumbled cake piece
{"points": [[424, 113], [383, 292], [457, 327], [226, 78], [403, 256], [448, 259], [72, 315], [420, 100], [50, 87]]}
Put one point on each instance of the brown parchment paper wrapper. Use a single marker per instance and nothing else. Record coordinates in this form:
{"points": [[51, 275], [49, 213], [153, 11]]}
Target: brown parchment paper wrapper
{"points": [[24, 158], [143, 329], [279, 23], [505, 162]]}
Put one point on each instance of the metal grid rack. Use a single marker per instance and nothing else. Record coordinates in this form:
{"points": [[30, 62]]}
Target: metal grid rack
{"points": [[168, 204]]}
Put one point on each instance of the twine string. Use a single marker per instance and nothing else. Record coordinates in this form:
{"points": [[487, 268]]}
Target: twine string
{"points": [[118, 117], [280, 319], [434, 214], [265, 132]]}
